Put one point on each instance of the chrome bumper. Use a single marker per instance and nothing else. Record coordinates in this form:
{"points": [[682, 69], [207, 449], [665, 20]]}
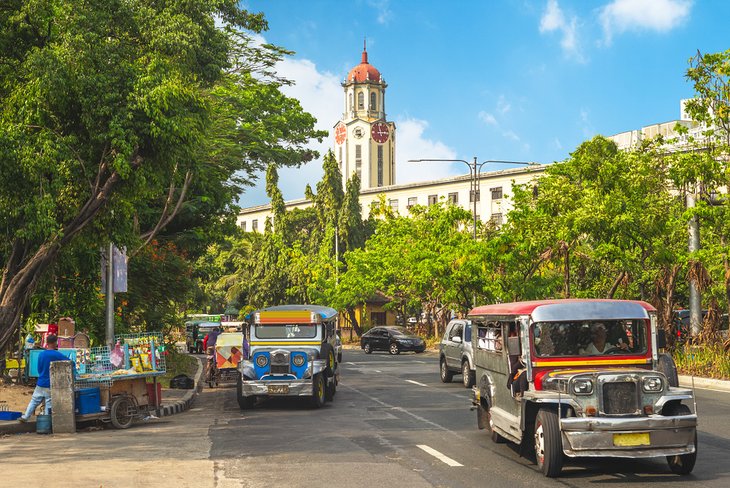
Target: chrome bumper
{"points": [[668, 436], [261, 388]]}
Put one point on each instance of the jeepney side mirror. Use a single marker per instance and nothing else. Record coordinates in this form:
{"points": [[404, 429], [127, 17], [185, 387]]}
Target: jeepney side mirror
{"points": [[513, 346], [661, 339]]}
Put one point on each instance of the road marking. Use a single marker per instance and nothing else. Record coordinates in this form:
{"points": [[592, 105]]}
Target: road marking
{"points": [[416, 383], [441, 457]]}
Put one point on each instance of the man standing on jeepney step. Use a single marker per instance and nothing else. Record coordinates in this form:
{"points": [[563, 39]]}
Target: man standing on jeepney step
{"points": [[43, 385]]}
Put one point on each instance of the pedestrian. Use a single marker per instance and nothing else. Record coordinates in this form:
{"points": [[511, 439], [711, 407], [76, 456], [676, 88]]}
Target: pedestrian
{"points": [[42, 390]]}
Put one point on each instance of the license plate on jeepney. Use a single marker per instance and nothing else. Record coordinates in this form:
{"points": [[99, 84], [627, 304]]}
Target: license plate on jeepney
{"points": [[278, 389], [632, 439]]}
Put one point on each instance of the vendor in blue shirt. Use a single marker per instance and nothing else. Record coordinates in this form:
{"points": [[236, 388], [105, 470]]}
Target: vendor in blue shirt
{"points": [[43, 385]]}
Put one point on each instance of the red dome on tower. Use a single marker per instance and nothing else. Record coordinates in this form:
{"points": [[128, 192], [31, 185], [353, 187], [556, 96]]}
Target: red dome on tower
{"points": [[364, 71]]}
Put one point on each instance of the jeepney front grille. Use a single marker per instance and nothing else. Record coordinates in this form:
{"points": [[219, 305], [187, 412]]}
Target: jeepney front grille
{"points": [[620, 398], [280, 363]]}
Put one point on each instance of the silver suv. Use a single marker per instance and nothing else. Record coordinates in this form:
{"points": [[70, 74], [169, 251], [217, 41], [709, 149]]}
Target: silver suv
{"points": [[455, 352]]}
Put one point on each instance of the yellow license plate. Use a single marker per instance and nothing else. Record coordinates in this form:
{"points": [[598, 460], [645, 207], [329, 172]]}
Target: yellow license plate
{"points": [[278, 389], [632, 439]]}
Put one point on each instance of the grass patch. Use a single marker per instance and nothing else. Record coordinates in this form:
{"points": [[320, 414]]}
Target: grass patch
{"points": [[178, 363], [705, 360]]}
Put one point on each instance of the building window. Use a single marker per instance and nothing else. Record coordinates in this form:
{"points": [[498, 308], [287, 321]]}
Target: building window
{"points": [[433, 199], [372, 101], [255, 225], [243, 225], [358, 160], [496, 219], [377, 318], [454, 198], [496, 193], [393, 202], [340, 158], [412, 201], [360, 101], [380, 165], [352, 105]]}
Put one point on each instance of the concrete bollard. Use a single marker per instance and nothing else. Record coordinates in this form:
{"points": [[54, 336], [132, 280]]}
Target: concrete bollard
{"points": [[63, 415]]}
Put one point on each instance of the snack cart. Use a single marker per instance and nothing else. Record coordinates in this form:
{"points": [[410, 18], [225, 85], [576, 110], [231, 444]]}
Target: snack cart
{"points": [[112, 383]]}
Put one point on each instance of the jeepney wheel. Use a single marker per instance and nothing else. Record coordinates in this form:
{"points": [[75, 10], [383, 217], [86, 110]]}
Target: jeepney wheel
{"points": [[446, 375], [467, 374], [318, 391], [684, 463], [122, 412], [548, 445], [367, 348], [393, 349], [329, 354], [330, 390]]}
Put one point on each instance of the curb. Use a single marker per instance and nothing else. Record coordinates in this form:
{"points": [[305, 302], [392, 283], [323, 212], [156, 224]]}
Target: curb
{"points": [[704, 383], [181, 405], [187, 400]]}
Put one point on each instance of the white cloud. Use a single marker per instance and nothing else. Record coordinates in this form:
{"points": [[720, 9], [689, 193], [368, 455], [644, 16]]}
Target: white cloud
{"points": [[487, 118], [511, 135], [553, 19], [503, 105], [653, 15], [385, 14], [413, 145]]}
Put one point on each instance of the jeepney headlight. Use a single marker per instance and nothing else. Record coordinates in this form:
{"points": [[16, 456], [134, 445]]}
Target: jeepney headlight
{"points": [[298, 360], [262, 360], [652, 384], [582, 386]]}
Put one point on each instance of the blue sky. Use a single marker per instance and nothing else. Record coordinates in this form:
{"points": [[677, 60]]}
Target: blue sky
{"points": [[521, 80]]}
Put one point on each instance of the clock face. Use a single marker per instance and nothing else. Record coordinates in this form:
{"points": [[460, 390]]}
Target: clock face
{"points": [[340, 133], [380, 132]]}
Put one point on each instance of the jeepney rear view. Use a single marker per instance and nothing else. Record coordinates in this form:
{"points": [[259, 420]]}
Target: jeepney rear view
{"points": [[580, 378], [291, 353]]}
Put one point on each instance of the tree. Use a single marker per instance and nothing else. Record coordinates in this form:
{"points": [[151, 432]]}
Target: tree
{"points": [[111, 107]]}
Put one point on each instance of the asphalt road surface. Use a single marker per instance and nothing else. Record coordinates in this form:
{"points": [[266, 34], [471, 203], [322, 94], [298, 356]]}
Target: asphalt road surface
{"points": [[392, 424]]}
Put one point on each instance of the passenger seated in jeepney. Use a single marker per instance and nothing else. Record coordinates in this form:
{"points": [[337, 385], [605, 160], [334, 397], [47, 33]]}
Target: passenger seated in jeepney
{"points": [[599, 343]]}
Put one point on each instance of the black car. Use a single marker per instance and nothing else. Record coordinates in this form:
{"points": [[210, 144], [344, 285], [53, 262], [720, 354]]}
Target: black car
{"points": [[392, 339]]}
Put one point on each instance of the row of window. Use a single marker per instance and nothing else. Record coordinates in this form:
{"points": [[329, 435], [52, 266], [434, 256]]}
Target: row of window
{"points": [[254, 225], [361, 101], [452, 197]]}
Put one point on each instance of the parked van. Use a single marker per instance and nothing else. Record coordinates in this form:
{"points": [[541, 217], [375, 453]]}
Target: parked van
{"points": [[580, 378]]}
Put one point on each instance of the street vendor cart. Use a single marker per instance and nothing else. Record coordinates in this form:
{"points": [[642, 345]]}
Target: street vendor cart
{"points": [[113, 384]]}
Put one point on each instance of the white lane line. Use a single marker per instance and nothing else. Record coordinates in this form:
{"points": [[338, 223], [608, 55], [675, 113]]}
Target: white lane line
{"points": [[416, 383], [439, 456]]}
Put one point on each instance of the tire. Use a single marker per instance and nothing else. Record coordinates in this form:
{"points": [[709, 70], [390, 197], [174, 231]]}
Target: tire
{"points": [[446, 375], [327, 353], [319, 389], [367, 348], [330, 390], [394, 349], [548, 444], [468, 375], [681, 464], [665, 364], [244, 403], [122, 412]]}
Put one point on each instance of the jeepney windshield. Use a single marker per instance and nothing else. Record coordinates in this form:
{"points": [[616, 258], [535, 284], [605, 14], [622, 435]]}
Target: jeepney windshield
{"points": [[289, 331], [589, 338]]}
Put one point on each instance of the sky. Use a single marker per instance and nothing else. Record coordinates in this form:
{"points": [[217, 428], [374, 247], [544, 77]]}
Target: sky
{"points": [[517, 80]]}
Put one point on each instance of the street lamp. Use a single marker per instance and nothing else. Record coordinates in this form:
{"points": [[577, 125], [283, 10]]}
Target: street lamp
{"points": [[475, 170]]}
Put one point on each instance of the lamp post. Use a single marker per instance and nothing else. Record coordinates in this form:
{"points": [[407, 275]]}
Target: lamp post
{"points": [[475, 170]]}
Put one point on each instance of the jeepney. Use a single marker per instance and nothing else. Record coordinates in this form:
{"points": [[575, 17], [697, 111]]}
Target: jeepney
{"points": [[586, 378], [292, 352]]}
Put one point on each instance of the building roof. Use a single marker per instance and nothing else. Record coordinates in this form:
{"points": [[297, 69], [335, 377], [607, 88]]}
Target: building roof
{"points": [[364, 71]]}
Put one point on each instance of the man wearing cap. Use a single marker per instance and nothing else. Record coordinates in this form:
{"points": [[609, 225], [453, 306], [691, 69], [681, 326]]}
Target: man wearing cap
{"points": [[43, 385]]}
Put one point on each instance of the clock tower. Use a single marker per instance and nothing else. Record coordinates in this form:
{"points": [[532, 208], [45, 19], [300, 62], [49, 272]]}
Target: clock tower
{"points": [[364, 139]]}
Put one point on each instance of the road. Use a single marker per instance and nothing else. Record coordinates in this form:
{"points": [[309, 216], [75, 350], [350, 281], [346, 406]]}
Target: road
{"points": [[393, 423]]}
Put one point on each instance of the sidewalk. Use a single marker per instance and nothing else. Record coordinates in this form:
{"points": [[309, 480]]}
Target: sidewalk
{"points": [[173, 401]]}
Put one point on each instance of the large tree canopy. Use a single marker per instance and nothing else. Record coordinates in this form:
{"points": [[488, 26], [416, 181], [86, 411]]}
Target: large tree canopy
{"points": [[117, 115]]}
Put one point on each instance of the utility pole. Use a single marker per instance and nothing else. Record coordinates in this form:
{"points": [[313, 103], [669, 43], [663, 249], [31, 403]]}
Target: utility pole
{"points": [[110, 295], [695, 299]]}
